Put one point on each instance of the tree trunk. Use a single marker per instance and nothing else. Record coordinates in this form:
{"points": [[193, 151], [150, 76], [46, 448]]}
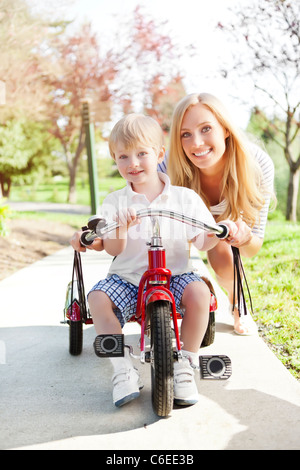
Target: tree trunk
{"points": [[73, 165], [293, 188], [72, 197], [5, 184]]}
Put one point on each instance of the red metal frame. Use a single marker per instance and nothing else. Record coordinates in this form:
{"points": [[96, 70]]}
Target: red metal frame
{"points": [[154, 286]]}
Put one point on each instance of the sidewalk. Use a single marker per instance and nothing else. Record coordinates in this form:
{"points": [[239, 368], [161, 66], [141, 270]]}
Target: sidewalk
{"points": [[51, 400]]}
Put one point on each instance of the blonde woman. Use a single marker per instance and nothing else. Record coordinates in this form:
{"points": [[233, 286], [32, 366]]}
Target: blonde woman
{"points": [[210, 155]]}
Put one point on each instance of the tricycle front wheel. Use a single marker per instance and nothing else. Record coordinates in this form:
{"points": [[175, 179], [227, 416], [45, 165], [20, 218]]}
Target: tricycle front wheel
{"points": [[161, 357]]}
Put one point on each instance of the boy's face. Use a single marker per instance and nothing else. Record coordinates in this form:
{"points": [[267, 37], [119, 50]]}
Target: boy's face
{"points": [[138, 165]]}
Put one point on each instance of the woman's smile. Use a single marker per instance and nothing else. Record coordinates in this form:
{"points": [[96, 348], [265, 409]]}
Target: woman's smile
{"points": [[202, 154]]}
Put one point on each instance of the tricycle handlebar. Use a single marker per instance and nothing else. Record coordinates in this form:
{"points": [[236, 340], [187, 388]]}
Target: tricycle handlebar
{"points": [[98, 227]]}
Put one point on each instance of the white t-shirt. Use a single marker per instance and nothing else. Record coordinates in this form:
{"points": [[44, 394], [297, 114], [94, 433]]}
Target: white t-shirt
{"points": [[133, 261]]}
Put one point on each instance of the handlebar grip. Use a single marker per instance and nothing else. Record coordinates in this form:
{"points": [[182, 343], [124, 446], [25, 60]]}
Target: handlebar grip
{"points": [[225, 232], [96, 221], [83, 240]]}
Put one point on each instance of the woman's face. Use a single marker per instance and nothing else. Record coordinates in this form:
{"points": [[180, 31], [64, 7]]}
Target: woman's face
{"points": [[203, 138]]}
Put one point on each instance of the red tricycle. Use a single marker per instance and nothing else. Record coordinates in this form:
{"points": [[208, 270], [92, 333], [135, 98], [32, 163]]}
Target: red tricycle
{"points": [[155, 312]]}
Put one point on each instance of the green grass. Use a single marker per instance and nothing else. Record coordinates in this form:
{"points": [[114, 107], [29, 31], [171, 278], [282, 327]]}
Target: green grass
{"points": [[58, 191], [273, 276], [274, 280], [74, 220]]}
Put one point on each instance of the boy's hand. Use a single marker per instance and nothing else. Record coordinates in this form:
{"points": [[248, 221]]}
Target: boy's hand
{"points": [[127, 217], [97, 244], [75, 242]]}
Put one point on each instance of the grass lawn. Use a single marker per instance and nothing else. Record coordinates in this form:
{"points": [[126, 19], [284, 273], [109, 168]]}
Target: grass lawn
{"points": [[58, 191], [274, 280], [273, 276]]}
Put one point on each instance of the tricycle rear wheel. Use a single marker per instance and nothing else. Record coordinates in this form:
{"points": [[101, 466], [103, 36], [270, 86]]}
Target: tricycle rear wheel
{"points": [[209, 336], [161, 357], [75, 337]]}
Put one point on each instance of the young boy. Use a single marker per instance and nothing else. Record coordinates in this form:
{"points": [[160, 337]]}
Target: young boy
{"points": [[136, 145]]}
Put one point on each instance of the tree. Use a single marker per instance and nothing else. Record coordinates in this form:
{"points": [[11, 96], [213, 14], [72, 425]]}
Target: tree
{"points": [[162, 100], [49, 72], [24, 60], [24, 148], [123, 76], [268, 35], [82, 74], [148, 66]]}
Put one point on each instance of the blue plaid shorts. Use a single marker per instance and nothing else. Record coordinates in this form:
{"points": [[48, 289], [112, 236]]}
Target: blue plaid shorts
{"points": [[124, 294]]}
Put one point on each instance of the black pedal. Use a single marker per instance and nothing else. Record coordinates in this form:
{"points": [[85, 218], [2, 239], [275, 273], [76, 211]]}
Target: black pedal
{"points": [[215, 367], [109, 346]]}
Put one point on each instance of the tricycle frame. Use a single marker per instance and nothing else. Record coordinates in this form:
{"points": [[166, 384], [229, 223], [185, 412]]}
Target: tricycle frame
{"points": [[154, 298]]}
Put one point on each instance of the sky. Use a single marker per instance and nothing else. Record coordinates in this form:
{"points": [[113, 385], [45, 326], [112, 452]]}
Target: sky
{"points": [[188, 22]]}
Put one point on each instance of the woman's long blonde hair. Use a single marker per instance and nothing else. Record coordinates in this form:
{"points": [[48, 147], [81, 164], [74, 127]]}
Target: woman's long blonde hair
{"points": [[242, 178]]}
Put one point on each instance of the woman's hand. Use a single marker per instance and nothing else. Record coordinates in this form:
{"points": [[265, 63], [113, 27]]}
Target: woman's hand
{"points": [[240, 235]]}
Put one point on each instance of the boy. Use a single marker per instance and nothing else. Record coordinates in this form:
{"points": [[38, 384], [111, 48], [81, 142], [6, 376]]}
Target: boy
{"points": [[136, 145]]}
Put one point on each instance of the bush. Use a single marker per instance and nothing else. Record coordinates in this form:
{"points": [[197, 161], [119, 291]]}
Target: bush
{"points": [[4, 212]]}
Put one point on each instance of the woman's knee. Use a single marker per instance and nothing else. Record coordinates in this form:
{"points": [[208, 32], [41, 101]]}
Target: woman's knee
{"points": [[221, 260]]}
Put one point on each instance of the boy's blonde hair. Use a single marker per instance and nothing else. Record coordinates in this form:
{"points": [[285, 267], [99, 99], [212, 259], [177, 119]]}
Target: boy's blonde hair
{"points": [[242, 178], [136, 129]]}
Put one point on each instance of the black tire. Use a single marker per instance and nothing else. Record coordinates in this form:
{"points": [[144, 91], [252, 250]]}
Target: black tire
{"points": [[209, 336], [75, 337], [162, 374], [76, 327]]}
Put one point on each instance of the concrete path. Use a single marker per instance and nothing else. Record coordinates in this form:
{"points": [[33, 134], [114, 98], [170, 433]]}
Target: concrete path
{"points": [[50, 400]]}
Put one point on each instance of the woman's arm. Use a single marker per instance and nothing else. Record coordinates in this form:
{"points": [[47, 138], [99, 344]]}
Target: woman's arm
{"points": [[248, 243]]}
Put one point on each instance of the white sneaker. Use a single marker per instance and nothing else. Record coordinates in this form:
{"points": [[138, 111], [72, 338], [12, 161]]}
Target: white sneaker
{"points": [[126, 382], [185, 388]]}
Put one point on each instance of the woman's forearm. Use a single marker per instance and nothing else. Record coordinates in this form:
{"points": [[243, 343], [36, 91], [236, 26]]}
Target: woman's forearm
{"points": [[250, 249]]}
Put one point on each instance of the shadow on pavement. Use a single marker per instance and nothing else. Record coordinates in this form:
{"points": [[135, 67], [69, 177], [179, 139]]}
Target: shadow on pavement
{"points": [[47, 395]]}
